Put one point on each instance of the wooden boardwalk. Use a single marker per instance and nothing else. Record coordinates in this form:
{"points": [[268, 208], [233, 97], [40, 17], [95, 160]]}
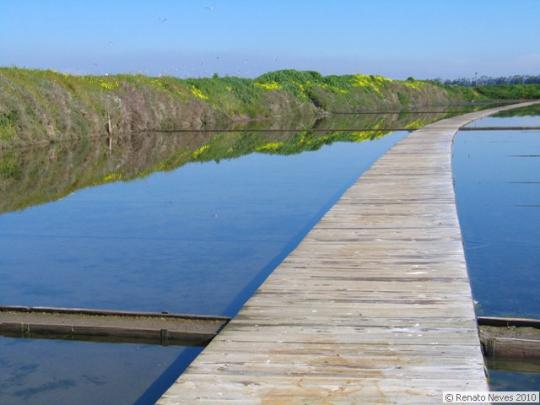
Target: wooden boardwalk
{"points": [[373, 306]]}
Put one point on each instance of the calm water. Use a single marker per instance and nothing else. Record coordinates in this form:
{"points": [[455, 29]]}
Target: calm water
{"points": [[522, 117], [196, 239], [497, 180], [199, 220], [497, 175], [525, 121], [192, 240]]}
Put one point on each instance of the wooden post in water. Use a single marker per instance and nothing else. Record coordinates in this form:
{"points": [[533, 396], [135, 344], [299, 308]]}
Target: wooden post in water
{"points": [[109, 131]]}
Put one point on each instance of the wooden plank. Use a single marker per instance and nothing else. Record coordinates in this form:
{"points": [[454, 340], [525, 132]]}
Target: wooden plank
{"points": [[516, 348], [109, 326], [373, 306], [517, 342], [508, 322]]}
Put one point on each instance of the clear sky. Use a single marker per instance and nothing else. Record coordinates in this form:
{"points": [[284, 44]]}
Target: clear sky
{"points": [[396, 38]]}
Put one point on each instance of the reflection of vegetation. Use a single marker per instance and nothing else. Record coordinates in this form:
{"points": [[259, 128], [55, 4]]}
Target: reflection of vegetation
{"points": [[33, 176], [44, 106], [9, 167], [304, 141], [520, 112]]}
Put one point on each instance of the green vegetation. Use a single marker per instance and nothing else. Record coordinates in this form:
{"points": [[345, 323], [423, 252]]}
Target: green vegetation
{"points": [[39, 106], [7, 127], [511, 91]]}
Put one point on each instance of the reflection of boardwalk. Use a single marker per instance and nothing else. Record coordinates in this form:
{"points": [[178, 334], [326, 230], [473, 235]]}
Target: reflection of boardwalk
{"points": [[374, 306]]}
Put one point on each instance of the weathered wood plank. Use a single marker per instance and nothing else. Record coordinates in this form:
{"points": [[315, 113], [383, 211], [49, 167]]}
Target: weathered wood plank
{"points": [[374, 306], [517, 338], [109, 326]]}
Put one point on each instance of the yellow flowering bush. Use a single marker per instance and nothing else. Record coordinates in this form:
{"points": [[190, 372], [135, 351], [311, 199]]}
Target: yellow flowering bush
{"points": [[269, 85], [374, 83], [108, 84], [198, 93], [413, 84], [270, 147], [198, 152], [112, 177]]}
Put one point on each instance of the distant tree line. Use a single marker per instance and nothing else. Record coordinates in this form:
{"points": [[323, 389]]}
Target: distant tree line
{"points": [[493, 81]]}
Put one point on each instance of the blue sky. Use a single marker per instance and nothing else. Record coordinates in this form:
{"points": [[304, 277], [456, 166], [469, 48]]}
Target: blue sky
{"points": [[396, 38]]}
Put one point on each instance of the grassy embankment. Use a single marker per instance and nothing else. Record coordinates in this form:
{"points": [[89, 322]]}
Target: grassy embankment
{"points": [[43, 106]]}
